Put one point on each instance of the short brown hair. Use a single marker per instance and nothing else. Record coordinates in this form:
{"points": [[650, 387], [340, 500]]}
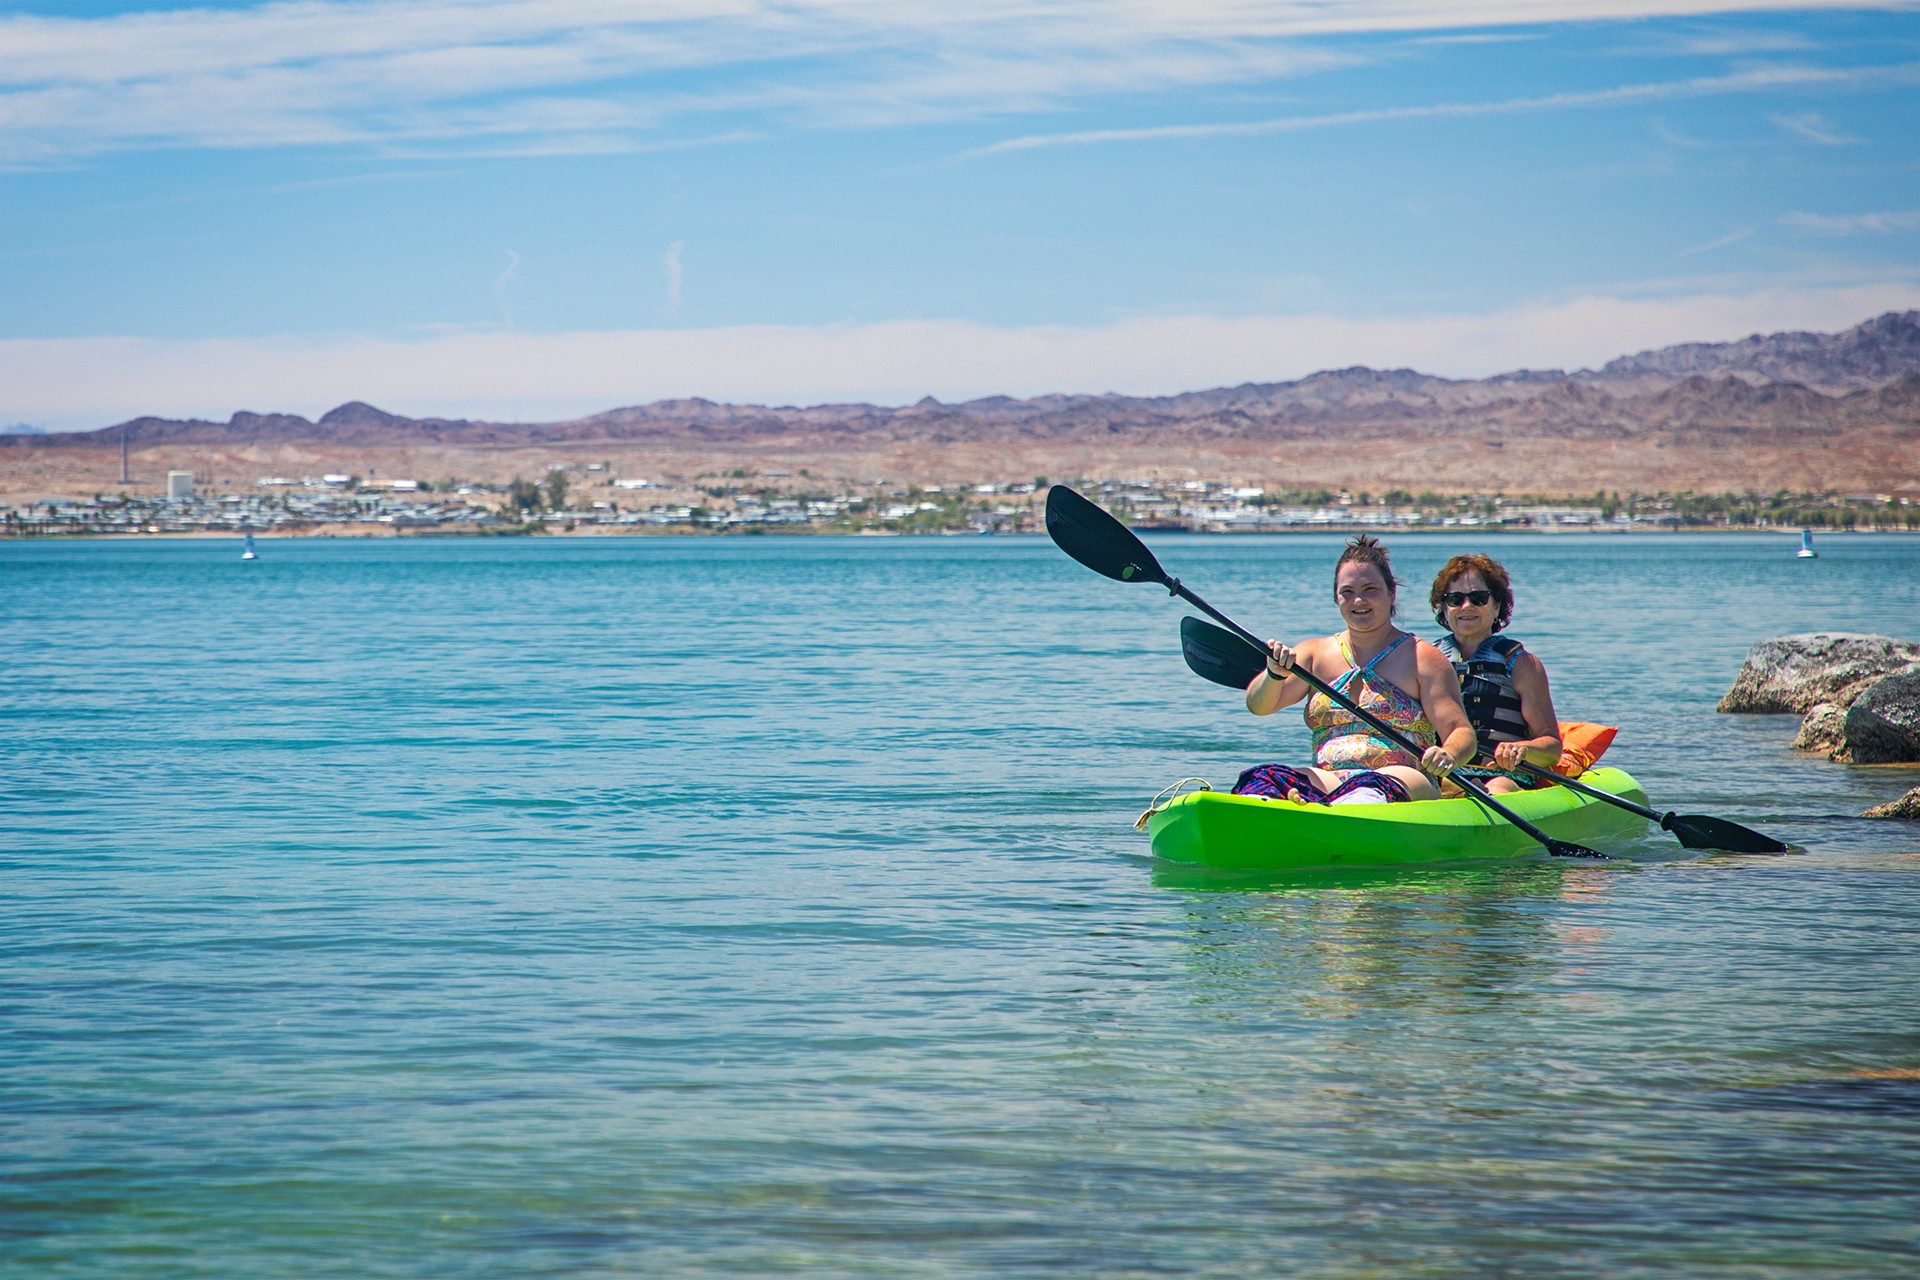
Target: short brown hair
{"points": [[1367, 549], [1487, 567]]}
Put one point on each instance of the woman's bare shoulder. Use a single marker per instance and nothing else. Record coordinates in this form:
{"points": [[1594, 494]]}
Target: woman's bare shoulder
{"points": [[1527, 666], [1319, 650]]}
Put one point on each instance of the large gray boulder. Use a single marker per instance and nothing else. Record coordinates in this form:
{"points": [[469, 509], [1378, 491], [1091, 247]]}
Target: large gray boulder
{"points": [[1883, 724], [1907, 806], [1794, 673]]}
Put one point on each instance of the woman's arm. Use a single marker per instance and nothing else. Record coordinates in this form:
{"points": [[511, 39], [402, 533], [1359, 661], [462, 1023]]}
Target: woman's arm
{"points": [[1536, 704], [1277, 687], [1440, 702]]}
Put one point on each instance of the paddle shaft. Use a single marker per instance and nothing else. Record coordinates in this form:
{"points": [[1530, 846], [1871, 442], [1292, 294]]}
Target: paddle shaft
{"points": [[1585, 790], [1694, 831], [1392, 734]]}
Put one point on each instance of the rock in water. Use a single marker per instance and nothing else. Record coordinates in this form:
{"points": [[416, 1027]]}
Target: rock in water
{"points": [[1824, 729], [1907, 806], [1792, 673], [1883, 724]]}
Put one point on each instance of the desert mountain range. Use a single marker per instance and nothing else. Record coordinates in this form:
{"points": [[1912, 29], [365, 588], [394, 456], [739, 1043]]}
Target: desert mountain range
{"points": [[1784, 410]]}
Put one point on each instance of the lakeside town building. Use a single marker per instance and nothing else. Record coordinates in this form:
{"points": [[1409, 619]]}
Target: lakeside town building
{"points": [[771, 501]]}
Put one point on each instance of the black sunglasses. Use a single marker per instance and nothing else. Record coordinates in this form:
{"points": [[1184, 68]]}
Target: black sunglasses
{"points": [[1454, 599]]}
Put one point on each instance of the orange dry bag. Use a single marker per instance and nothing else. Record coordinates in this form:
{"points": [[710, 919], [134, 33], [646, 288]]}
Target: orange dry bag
{"points": [[1581, 744]]}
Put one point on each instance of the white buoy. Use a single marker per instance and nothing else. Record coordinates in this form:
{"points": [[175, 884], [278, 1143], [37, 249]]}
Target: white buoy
{"points": [[1806, 546], [249, 553]]}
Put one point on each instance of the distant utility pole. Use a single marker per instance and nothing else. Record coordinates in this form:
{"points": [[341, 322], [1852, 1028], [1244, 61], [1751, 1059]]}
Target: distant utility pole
{"points": [[124, 477]]}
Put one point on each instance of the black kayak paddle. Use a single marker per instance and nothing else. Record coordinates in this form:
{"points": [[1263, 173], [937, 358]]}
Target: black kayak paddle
{"points": [[1224, 658], [1085, 531]]}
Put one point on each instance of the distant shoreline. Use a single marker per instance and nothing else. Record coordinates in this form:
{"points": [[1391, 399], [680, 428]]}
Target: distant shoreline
{"points": [[390, 534]]}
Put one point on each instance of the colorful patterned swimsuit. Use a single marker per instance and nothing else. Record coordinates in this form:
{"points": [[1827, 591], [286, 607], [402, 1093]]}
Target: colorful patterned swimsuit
{"points": [[1342, 741], [1347, 746]]}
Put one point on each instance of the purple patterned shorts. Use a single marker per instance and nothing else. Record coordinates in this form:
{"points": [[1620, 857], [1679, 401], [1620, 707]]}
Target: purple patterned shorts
{"points": [[1275, 780]]}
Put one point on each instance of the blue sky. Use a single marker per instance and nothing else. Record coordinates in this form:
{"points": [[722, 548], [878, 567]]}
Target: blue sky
{"points": [[536, 208]]}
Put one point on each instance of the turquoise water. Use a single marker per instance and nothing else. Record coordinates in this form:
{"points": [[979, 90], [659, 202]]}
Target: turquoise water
{"points": [[772, 906]]}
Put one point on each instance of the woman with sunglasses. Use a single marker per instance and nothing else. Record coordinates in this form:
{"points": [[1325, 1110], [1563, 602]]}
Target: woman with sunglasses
{"points": [[1503, 686], [1395, 676]]}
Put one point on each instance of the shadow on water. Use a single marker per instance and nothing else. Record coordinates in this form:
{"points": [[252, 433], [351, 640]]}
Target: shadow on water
{"points": [[1892, 1093]]}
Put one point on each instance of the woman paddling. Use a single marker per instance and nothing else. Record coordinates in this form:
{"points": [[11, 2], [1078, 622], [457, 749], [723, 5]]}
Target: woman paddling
{"points": [[1503, 686], [1400, 679]]}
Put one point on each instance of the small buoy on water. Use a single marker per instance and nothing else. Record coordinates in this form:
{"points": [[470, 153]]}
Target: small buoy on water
{"points": [[249, 553], [1806, 546]]}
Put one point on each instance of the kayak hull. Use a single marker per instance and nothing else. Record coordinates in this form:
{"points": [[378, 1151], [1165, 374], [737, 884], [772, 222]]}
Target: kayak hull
{"points": [[1252, 833]]}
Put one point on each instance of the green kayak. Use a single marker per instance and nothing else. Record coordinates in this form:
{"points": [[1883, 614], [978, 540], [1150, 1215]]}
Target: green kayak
{"points": [[1250, 833]]}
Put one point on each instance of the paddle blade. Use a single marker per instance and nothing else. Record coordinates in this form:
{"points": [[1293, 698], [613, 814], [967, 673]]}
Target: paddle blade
{"points": [[1696, 831], [1216, 654], [1085, 531], [1568, 849]]}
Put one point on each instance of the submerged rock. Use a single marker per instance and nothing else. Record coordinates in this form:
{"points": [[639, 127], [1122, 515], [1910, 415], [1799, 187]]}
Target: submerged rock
{"points": [[1883, 724], [1795, 673], [1907, 806]]}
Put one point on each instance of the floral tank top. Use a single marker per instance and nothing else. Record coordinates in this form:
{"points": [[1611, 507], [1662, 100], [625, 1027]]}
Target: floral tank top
{"points": [[1340, 741]]}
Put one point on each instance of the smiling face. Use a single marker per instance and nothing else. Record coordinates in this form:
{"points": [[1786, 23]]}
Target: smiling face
{"points": [[1365, 601], [1472, 573], [1471, 619]]}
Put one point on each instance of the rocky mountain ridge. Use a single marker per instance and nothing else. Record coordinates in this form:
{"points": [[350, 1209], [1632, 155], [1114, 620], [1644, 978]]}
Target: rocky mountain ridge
{"points": [[1791, 383], [1867, 355]]}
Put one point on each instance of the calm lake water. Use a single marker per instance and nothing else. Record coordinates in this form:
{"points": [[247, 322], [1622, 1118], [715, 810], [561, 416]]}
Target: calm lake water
{"points": [[772, 906]]}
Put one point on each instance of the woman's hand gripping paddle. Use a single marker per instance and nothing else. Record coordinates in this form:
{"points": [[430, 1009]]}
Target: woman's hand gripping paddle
{"points": [[1224, 658], [1090, 535]]}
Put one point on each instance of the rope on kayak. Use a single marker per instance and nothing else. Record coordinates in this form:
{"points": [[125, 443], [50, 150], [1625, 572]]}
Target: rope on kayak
{"points": [[1167, 796], [1480, 772]]}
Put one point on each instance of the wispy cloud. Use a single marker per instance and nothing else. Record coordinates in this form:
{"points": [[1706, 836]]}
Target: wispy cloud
{"points": [[1814, 128], [1848, 224], [1673, 137], [75, 383], [1725, 44], [1758, 80], [1731, 238], [1478, 37], [347, 180], [560, 75]]}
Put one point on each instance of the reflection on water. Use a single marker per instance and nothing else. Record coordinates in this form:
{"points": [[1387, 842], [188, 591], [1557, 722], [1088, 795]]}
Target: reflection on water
{"points": [[1431, 939]]}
